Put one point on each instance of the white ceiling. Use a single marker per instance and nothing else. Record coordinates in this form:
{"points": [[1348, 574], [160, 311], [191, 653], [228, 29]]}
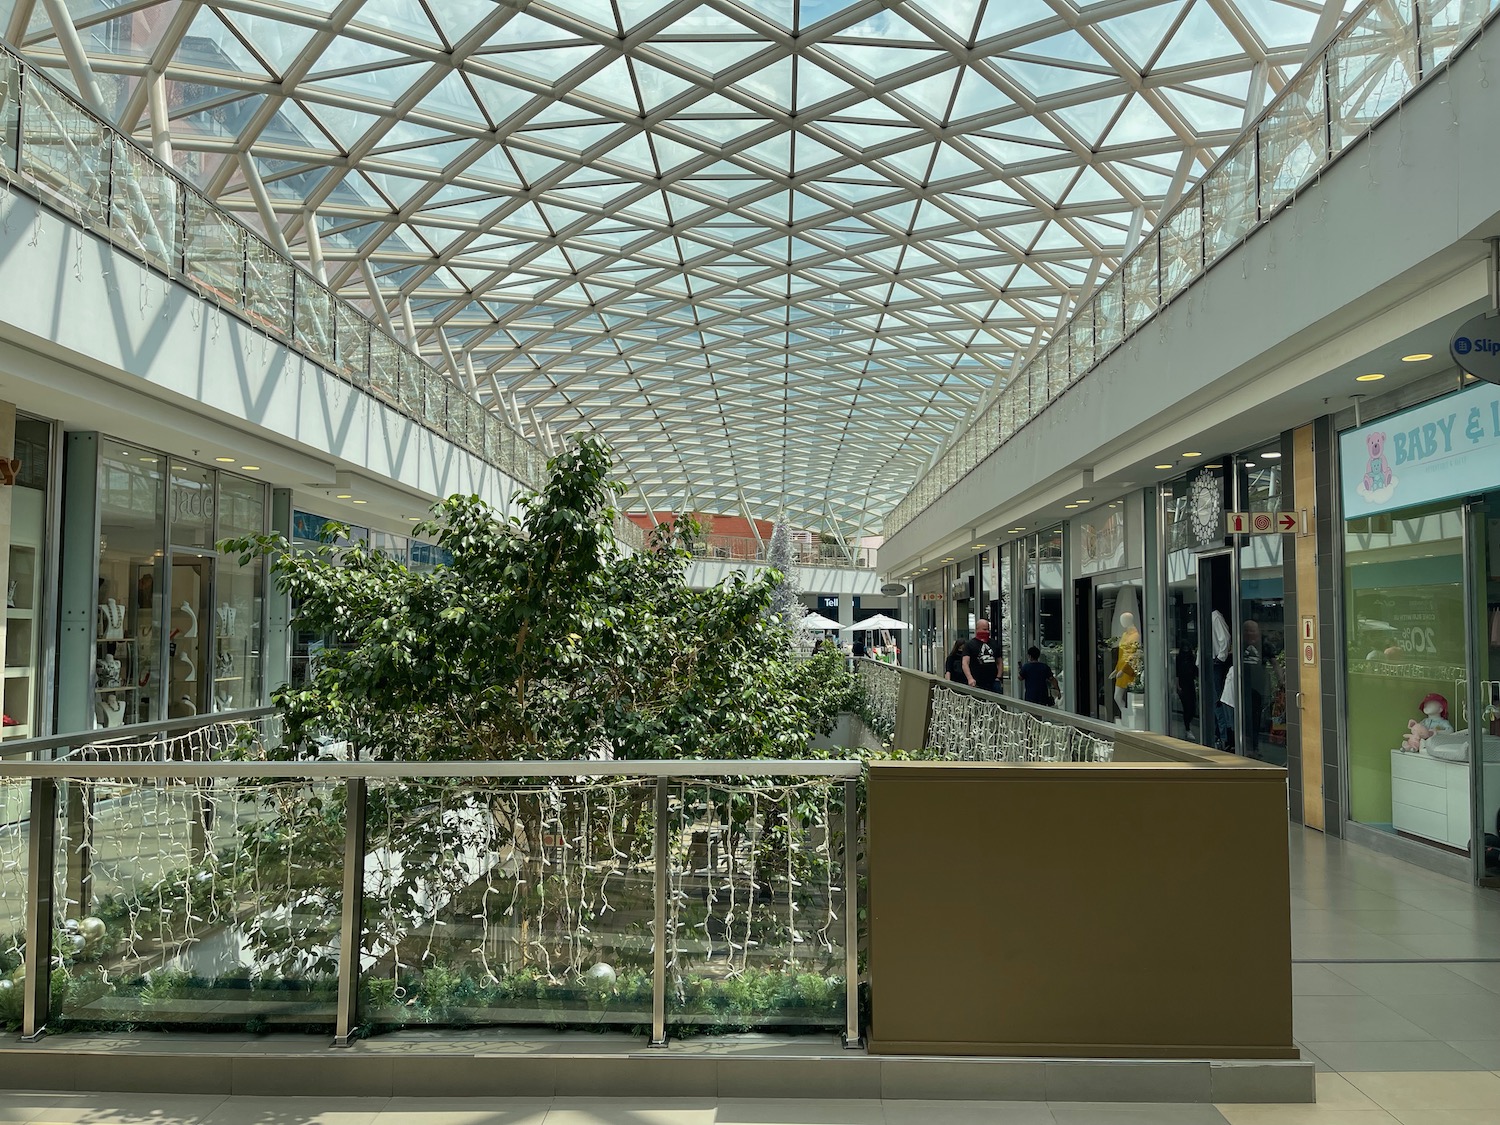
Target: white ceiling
{"points": [[772, 250]]}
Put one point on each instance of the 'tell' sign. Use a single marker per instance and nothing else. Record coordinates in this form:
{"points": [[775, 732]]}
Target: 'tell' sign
{"points": [[1475, 347]]}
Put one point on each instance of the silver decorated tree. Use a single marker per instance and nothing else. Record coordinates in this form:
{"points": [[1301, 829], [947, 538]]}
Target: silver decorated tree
{"points": [[784, 609]]}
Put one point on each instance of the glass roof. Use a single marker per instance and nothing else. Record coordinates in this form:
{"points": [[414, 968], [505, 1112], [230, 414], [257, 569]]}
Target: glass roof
{"points": [[773, 250]]}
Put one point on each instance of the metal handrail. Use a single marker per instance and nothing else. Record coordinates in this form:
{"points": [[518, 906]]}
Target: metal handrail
{"points": [[394, 771], [1054, 368], [132, 733], [120, 164]]}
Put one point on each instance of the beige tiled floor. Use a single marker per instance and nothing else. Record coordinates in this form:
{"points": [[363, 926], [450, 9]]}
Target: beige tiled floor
{"points": [[1397, 983]]}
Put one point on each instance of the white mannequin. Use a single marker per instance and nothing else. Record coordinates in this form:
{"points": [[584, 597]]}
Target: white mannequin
{"points": [[189, 665], [112, 620], [1222, 636], [1130, 639], [187, 611]]}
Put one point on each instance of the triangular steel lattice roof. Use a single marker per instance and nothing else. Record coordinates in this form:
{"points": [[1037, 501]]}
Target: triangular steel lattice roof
{"points": [[773, 250]]}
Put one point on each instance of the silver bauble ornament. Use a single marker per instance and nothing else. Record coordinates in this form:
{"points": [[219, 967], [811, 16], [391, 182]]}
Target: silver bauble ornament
{"points": [[601, 976], [92, 929]]}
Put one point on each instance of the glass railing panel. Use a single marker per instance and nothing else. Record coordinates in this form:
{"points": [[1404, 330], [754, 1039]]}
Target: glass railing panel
{"points": [[1081, 341], [1293, 140], [756, 922], [1370, 67], [200, 903], [1059, 373], [1109, 315], [1182, 247], [534, 903], [413, 376], [313, 327], [1446, 24], [1142, 276], [385, 371], [145, 210], [15, 811], [268, 286], [214, 250], [434, 392], [10, 111], [352, 336], [65, 150], [1229, 201]]}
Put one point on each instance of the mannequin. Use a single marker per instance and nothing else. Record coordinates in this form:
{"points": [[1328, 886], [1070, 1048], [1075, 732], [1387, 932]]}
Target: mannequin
{"points": [[190, 628], [185, 666], [1124, 674], [112, 621], [182, 708], [226, 614]]}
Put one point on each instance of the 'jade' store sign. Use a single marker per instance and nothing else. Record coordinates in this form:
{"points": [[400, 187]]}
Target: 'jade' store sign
{"points": [[1445, 448]]}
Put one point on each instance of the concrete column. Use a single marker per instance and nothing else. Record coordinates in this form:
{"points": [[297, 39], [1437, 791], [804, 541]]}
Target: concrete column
{"points": [[7, 493]]}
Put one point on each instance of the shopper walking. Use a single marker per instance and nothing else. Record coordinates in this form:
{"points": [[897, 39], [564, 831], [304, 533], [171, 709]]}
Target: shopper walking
{"points": [[1038, 684], [980, 662], [954, 668]]}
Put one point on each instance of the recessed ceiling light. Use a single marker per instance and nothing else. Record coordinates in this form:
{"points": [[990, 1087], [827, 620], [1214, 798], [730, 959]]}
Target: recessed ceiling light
{"points": [[1370, 378], [1082, 501], [226, 460], [344, 496], [979, 544], [1070, 505], [1163, 466], [414, 519], [148, 458], [1270, 456], [251, 468], [1215, 465], [1014, 530], [1416, 357], [361, 501], [1192, 453], [948, 559]]}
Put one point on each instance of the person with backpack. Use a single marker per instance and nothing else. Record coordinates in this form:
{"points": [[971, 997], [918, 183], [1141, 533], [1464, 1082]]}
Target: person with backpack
{"points": [[1038, 683]]}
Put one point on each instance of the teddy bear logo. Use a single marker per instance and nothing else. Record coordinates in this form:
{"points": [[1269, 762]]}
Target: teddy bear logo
{"points": [[1379, 479]]}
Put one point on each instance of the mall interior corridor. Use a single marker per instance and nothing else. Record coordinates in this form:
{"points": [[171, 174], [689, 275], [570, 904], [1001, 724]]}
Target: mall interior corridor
{"points": [[1397, 982]]}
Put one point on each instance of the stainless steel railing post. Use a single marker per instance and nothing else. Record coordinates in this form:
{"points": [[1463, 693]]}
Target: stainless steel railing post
{"points": [[852, 1038], [41, 860], [663, 863], [352, 923]]}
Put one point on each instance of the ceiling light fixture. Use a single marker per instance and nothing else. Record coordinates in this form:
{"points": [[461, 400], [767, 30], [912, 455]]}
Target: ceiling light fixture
{"points": [[1270, 455], [1416, 357], [1370, 378], [1192, 453], [227, 460], [361, 501], [1070, 506], [1082, 501], [344, 496], [250, 468], [1162, 466]]}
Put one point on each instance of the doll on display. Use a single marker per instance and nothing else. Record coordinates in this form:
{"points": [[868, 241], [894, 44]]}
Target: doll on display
{"points": [[1434, 721]]}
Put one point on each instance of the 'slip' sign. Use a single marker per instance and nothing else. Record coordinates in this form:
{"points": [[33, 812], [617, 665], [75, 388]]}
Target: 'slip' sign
{"points": [[1475, 347]]}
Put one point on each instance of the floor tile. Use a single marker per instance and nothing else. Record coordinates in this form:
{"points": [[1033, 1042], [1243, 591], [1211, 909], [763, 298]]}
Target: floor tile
{"points": [[1486, 1052], [1337, 1092], [130, 1109], [1319, 921], [464, 1111], [1381, 981], [631, 1111], [1319, 980], [296, 1111], [1445, 1116], [1472, 1015], [1303, 1115], [17, 1108], [750, 1111], [966, 1113], [1408, 921], [1425, 1054], [1138, 1113], [1435, 947], [1342, 1019], [1335, 947], [1400, 1091]]}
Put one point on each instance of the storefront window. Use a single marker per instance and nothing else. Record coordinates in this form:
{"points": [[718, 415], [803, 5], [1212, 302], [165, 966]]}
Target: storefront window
{"points": [[1260, 660], [1111, 673], [25, 581], [238, 615], [129, 646], [1042, 600], [1405, 634]]}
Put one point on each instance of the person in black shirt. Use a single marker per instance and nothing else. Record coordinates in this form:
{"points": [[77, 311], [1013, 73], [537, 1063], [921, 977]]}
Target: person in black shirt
{"points": [[859, 649], [954, 668], [980, 664], [1037, 681]]}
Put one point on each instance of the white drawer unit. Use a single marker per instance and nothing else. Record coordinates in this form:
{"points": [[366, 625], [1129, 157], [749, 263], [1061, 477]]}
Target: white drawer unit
{"points": [[1430, 797]]}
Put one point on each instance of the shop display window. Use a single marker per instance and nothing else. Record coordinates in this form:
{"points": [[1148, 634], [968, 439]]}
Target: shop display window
{"points": [[128, 646], [239, 608], [1261, 694], [1405, 636], [1042, 600], [25, 582]]}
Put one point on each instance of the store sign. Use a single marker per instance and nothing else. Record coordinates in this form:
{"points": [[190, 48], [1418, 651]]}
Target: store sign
{"points": [[1475, 347], [10, 469], [893, 589], [1442, 449]]}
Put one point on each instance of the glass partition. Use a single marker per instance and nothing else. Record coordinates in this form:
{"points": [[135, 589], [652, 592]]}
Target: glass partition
{"points": [[129, 645]]}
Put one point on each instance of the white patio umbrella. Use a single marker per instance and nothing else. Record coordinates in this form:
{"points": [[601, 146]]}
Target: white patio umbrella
{"points": [[879, 621], [817, 621]]}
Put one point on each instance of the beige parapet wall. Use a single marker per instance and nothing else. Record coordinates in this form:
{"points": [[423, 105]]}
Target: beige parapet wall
{"points": [[1132, 909]]}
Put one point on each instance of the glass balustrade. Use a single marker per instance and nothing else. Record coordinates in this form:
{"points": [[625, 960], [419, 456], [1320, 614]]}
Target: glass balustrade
{"points": [[91, 172]]}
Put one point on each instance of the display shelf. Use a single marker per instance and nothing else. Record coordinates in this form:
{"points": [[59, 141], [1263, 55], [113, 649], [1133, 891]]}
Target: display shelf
{"points": [[14, 614], [17, 671], [20, 730], [118, 689]]}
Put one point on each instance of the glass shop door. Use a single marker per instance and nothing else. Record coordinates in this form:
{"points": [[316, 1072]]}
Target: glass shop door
{"points": [[190, 628]]}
